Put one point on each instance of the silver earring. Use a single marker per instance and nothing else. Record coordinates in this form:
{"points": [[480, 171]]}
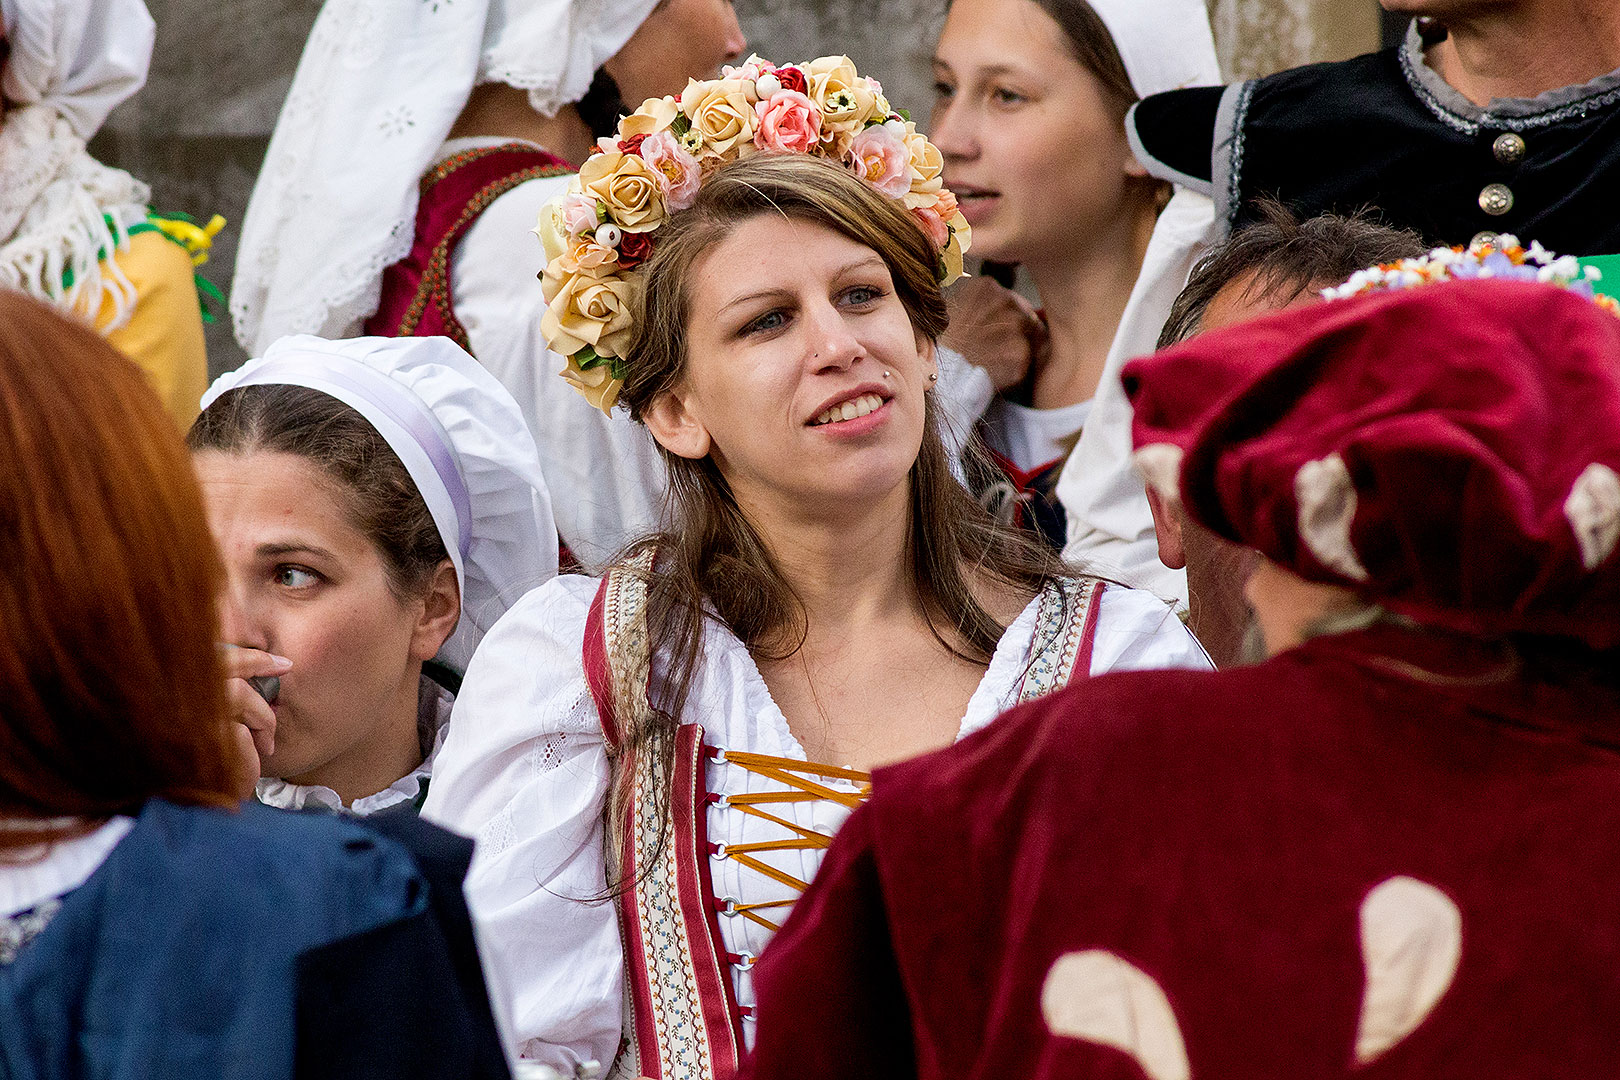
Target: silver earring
{"points": [[934, 377], [885, 374]]}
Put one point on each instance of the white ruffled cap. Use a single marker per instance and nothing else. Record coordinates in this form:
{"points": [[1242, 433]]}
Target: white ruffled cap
{"points": [[377, 90], [1165, 44], [81, 58], [462, 439]]}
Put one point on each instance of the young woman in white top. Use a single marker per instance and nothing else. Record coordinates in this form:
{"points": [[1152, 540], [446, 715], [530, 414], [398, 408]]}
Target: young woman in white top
{"points": [[653, 763], [378, 505], [1029, 116]]}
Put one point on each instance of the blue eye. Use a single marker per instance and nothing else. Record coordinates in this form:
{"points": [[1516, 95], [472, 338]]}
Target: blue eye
{"points": [[863, 295], [296, 577], [771, 320], [1008, 97]]}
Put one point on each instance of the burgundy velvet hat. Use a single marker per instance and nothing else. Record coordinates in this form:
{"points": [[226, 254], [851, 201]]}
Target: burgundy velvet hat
{"points": [[1451, 452]]}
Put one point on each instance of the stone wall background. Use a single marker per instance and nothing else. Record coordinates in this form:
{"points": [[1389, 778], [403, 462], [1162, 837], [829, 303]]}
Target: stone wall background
{"points": [[198, 132]]}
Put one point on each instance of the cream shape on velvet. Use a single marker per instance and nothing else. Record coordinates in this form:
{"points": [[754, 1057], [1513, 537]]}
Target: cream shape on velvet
{"points": [[1593, 510], [1098, 997], [1327, 507], [1411, 944]]}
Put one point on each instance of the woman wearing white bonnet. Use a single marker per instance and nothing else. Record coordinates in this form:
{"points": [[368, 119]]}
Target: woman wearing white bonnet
{"points": [[1032, 94], [378, 505], [416, 148], [74, 232]]}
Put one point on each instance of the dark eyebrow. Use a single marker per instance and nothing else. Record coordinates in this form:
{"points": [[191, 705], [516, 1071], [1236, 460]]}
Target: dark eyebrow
{"points": [[271, 551]]}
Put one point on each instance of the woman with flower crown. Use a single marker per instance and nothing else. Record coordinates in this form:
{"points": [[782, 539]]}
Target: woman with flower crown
{"points": [[1029, 118], [654, 762]]}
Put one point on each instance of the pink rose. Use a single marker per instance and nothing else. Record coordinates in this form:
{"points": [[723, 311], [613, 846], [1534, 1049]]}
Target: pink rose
{"points": [[677, 170], [933, 225], [882, 160], [579, 213], [789, 123]]}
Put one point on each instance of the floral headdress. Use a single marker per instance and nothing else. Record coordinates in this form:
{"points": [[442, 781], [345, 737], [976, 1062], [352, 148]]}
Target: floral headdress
{"points": [[1504, 257], [597, 234]]}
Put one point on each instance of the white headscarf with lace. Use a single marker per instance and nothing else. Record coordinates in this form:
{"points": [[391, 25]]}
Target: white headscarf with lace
{"points": [[379, 86], [61, 211]]}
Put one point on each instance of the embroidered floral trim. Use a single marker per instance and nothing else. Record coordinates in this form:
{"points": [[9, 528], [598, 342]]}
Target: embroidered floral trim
{"points": [[1060, 629]]}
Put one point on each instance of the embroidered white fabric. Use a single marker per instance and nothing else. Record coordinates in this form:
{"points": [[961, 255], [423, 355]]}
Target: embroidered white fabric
{"points": [[71, 63], [376, 92], [536, 886]]}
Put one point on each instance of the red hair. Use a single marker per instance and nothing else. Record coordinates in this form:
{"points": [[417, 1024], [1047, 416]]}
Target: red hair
{"points": [[111, 689]]}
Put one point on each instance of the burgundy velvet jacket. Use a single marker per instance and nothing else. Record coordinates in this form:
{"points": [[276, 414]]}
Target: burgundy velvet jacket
{"points": [[1380, 854]]}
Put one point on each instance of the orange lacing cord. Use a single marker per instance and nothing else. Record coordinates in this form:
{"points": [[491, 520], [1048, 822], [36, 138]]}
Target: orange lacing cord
{"points": [[784, 771]]}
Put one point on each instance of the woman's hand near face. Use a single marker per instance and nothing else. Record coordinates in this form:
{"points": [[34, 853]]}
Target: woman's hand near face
{"points": [[254, 718], [996, 329]]}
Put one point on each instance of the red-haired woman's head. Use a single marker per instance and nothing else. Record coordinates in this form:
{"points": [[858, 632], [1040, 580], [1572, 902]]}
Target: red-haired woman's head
{"points": [[111, 690]]}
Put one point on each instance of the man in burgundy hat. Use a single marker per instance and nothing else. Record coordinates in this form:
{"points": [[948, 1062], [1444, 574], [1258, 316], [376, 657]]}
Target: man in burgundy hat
{"points": [[1388, 851]]}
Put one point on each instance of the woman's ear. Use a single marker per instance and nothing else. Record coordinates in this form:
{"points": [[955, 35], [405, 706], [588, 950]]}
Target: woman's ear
{"points": [[441, 610], [676, 427]]}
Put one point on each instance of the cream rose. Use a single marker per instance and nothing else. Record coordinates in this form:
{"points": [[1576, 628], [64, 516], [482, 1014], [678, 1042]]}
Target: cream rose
{"points": [[927, 169], [596, 384], [632, 192], [552, 229], [585, 306], [722, 113], [845, 100], [655, 115]]}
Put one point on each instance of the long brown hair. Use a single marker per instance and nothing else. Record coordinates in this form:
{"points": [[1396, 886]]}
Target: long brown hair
{"points": [[711, 555], [111, 690]]}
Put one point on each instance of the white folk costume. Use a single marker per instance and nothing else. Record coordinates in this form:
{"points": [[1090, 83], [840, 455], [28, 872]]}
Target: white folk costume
{"points": [[463, 441], [1165, 45], [74, 232], [526, 770]]}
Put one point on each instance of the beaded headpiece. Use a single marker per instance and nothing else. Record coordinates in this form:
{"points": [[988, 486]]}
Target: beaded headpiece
{"points": [[606, 225]]}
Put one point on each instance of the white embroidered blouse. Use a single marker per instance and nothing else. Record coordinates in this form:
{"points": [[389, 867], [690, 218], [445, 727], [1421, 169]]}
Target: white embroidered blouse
{"points": [[525, 772]]}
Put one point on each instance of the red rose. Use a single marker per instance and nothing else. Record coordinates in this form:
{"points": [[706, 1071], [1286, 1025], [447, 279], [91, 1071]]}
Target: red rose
{"points": [[634, 249], [632, 145], [791, 78]]}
